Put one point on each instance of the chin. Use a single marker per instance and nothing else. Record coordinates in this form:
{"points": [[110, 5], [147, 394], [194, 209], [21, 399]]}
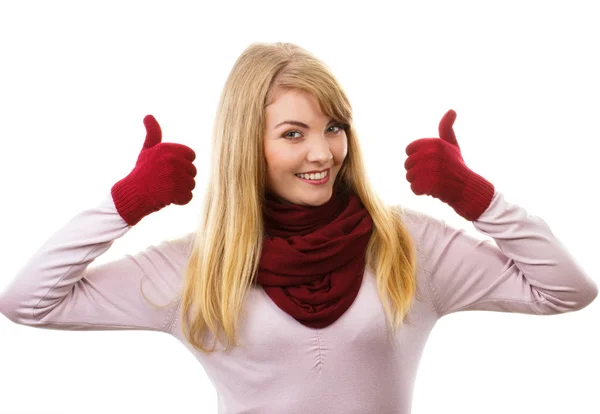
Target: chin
{"points": [[304, 194], [318, 198]]}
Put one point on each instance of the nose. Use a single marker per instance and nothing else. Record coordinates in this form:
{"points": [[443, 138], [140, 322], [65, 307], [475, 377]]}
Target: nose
{"points": [[319, 151]]}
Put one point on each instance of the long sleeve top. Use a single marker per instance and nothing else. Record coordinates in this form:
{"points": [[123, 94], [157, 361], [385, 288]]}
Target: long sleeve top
{"points": [[351, 366]]}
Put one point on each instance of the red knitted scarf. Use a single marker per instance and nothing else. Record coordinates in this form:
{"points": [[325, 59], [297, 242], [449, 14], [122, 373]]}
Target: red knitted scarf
{"points": [[313, 258]]}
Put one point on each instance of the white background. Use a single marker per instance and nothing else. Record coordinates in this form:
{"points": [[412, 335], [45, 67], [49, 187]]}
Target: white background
{"points": [[77, 78]]}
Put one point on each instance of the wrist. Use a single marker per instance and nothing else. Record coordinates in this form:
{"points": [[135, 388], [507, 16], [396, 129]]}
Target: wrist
{"points": [[476, 196], [127, 197]]}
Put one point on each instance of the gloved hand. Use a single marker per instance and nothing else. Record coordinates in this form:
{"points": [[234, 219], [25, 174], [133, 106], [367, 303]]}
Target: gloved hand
{"points": [[163, 174], [436, 167]]}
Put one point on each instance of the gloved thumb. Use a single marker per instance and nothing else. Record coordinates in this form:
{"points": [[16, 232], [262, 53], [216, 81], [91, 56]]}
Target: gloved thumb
{"points": [[153, 132], [445, 128]]}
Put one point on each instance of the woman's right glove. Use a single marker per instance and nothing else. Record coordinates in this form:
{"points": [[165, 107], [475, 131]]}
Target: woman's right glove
{"points": [[163, 174]]}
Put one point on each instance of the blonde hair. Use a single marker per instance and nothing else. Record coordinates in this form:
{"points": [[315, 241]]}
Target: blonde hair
{"points": [[228, 243]]}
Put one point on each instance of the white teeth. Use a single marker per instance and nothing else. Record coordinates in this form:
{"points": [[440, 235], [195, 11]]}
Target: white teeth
{"points": [[317, 176]]}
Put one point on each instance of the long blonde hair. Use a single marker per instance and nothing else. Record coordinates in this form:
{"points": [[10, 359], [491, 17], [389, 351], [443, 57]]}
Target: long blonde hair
{"points": [[228, 243]]}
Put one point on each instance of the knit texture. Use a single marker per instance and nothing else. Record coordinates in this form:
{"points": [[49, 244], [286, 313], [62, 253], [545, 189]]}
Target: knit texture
{"points": [[163, 174], [435, 167], [313, 260]]}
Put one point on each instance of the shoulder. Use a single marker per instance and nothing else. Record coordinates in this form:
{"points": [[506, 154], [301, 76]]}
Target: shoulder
{"points": [[420, 224], [169, 256], [430, 234], [179, 246]]}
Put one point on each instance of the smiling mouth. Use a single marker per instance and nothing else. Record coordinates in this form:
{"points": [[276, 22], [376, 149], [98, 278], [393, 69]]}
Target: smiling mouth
{"points": [[318, 178], [317, 172]]}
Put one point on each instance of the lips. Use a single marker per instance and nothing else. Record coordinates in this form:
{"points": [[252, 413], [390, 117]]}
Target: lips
{"points": [[313, 172], [316, 182]]}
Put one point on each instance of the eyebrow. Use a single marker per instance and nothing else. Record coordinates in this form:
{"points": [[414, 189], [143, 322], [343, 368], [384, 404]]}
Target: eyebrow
{"points": [[298, 123]]}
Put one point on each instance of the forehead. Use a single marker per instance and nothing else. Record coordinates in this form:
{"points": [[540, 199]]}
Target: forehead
{"points": [[293, 104]]}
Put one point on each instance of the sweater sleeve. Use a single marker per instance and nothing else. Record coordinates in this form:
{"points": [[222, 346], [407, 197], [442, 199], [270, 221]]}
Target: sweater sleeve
{"points": [[59, 289], [527, 270]]}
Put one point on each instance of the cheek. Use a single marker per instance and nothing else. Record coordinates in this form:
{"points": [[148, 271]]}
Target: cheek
{"points": [[282, 159], [341, 150]]}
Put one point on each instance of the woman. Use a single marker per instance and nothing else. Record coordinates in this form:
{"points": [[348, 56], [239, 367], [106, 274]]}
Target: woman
{"points": [[301, 292]]}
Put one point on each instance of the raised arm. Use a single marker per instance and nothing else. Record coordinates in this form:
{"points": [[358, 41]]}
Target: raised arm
{"points": [[56, 288], [527, 269], [60, 288]]}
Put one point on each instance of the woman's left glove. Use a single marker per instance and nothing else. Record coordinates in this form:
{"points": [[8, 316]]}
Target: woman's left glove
{"points": [[435, 167]]}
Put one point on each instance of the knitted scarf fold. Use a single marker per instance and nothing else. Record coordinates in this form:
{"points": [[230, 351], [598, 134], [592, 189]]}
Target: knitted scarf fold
{"points": [[313, 258]]}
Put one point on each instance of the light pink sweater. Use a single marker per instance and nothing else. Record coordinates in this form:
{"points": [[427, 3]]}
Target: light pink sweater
{"points": [[283, 366]]}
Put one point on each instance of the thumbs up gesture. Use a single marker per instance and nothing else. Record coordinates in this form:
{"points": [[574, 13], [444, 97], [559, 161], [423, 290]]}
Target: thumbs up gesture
{"points": [[435, 167], [163, 174]]}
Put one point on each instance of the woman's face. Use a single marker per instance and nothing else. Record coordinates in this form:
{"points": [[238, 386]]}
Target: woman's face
{"points": [[299, 138]]}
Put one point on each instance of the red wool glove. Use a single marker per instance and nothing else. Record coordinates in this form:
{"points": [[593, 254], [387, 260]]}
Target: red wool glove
{"points": [[163, 174], [436, 167]]}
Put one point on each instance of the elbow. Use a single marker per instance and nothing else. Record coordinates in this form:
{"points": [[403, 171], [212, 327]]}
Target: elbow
{"points": [[588, 295], [23, 311], [583, 298], [19, 316], [16, 312], [571, 300], [8, 309]]}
